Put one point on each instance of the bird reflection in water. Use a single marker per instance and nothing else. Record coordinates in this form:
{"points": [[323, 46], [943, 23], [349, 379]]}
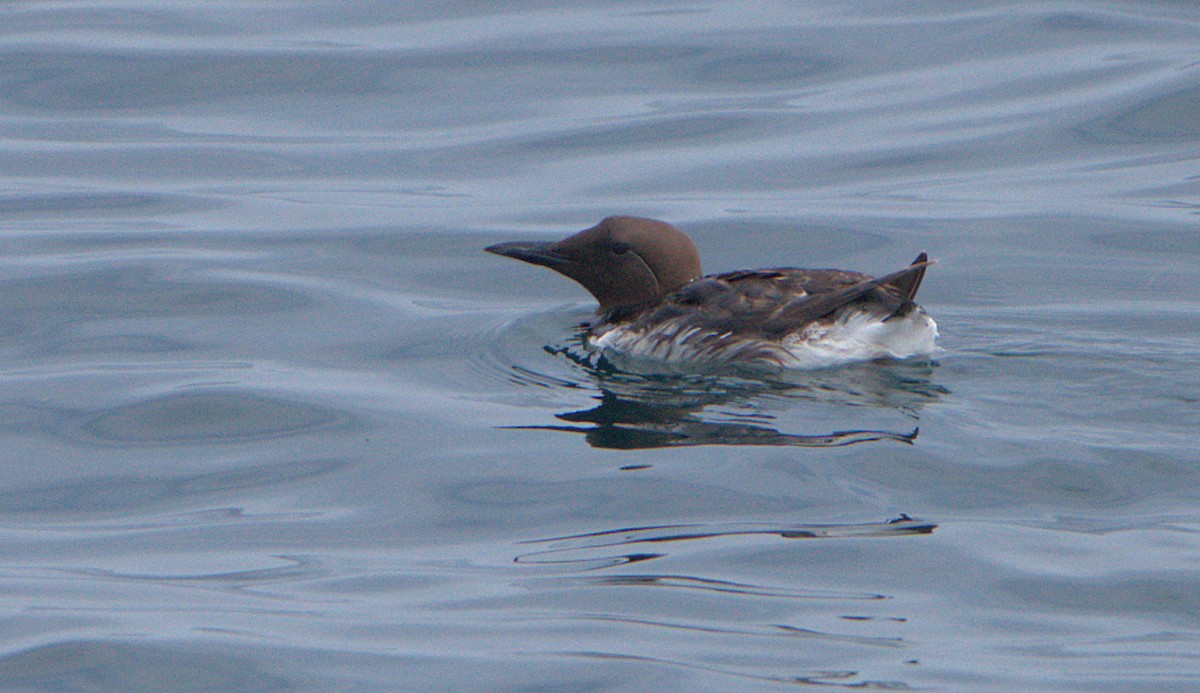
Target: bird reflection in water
{"points": [[641, 411]]}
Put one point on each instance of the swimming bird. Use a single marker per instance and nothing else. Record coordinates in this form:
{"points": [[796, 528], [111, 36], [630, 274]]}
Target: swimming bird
{"points": [[656, 303]]}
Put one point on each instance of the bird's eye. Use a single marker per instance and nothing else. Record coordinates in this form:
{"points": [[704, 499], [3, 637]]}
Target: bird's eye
{"points": [[619, 248]]}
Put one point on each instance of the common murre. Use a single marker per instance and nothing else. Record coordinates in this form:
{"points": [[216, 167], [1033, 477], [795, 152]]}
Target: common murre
{"points": [[656, 303]]}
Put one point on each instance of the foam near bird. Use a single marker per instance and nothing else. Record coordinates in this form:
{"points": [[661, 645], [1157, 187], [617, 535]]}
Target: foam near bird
{"points": [[656, 303]]}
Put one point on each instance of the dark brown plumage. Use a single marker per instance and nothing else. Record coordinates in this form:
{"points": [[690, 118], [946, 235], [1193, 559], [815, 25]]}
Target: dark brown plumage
{"points": [[654, 301]]}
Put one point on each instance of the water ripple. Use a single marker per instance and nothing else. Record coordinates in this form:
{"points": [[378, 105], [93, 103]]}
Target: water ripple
{"points": [[689, 582], [595, 549], [293, 568], [837, 679], [135, 666], [133, 292], [1160, 118], [122, 493], [753, 630], [193, 417]]}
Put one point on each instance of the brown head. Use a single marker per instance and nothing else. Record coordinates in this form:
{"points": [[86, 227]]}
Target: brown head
{"points": [[622, 261]]}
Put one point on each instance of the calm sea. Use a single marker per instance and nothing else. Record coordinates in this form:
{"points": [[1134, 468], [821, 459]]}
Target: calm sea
{"points": [[270, 418]]}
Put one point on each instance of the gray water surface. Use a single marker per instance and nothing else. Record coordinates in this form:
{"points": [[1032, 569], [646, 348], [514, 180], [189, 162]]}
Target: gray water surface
{"points": [[271, 419]]}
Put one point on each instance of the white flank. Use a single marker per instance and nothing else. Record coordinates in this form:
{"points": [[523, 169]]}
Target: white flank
{"points": [[862, 336], [854, 336]]}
